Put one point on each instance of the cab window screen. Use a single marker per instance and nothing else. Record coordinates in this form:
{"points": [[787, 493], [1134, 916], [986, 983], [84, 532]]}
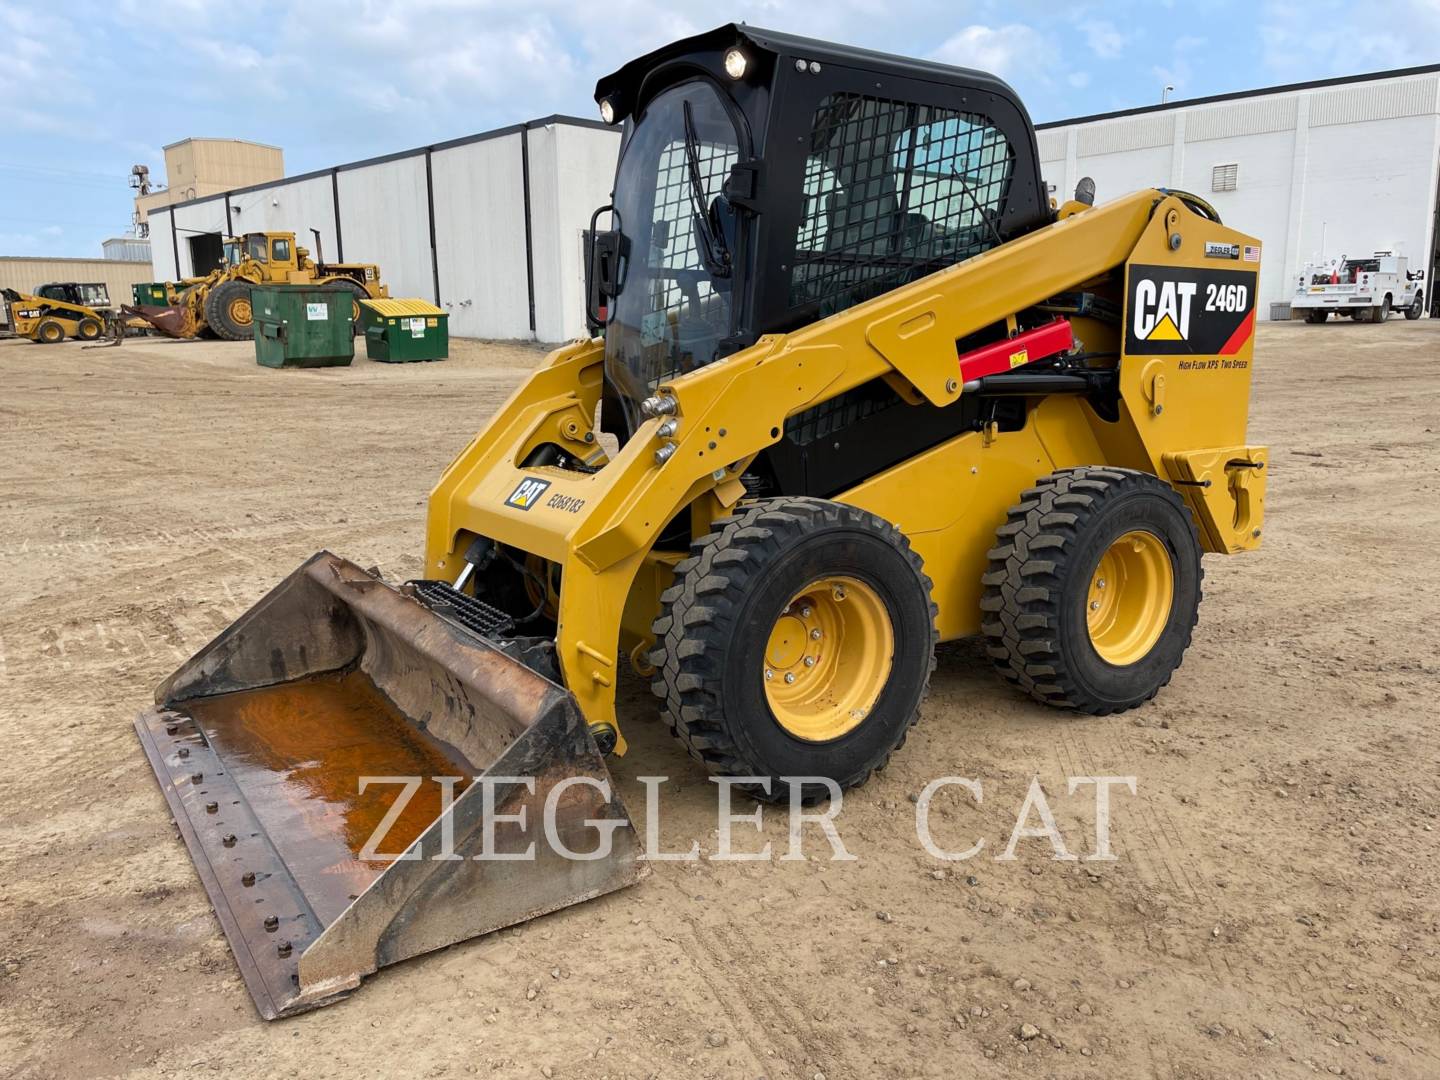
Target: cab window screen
{"points": [[282, 250], [894, 191]]}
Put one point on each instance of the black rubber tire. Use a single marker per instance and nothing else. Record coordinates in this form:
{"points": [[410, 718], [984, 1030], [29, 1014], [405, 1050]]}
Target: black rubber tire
{"points": [[49, 332], [714, 625], [1416, 308], [358, 292], [1381, 313], [217, 311], [89, 329], [1316, 315], [1035, 590]]}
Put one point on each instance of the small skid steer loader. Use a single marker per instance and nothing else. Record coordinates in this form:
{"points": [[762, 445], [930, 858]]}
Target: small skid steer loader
{"points": [[871, 391]]}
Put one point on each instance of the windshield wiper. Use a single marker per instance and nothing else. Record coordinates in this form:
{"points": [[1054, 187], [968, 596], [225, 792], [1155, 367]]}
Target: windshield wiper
{"points": [[713, 252]]}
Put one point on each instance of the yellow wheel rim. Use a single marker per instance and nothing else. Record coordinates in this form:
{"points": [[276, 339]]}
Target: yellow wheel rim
{"points": [[240, 313], [1131, 592], [50, 334], [828, 658], [354, 310]]}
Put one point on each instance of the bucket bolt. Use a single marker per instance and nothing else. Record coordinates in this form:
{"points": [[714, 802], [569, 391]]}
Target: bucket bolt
{"points": [[248, 878], [272, 923], [171, 729], [605, 737], [184, 751], [196, 777], [212, 807], [228, 840], [284, 948]]}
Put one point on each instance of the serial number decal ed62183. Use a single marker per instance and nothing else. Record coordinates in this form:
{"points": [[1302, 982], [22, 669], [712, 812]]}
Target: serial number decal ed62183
{"points": [[1173, 310], [565, 502]]}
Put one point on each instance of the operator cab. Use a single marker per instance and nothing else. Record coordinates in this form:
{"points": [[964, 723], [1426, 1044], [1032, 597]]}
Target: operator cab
{"points": [[766, 181], [90, 294]]}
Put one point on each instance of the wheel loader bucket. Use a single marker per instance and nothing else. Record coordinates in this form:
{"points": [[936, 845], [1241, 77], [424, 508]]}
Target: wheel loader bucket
{"points": [[309, 755], [177, 320]]}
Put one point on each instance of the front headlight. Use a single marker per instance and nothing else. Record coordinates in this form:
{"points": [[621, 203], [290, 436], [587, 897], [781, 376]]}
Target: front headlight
{"points": [[735, 64], [607, 111]]}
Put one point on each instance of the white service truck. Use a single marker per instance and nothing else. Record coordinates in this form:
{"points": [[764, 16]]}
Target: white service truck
{"points": [[1364, 289]]}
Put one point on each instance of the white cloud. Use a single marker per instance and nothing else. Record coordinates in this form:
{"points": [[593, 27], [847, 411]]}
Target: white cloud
{"points": [[1329, 37], [995, 49], [1104, 40], [1178, 71]]}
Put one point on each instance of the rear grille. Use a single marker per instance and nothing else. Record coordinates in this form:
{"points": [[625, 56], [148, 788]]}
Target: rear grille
{"points": [[475, 615]]}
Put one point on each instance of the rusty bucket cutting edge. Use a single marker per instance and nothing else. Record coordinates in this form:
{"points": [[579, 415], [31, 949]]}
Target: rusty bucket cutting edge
{"points": [[258, 743]]}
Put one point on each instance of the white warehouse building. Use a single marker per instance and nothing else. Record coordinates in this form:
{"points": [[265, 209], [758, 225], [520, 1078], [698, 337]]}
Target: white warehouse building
{"points": [[491, 226]]}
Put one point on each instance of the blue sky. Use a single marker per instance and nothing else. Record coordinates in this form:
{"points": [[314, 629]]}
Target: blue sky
{"points": [[334, 82]]}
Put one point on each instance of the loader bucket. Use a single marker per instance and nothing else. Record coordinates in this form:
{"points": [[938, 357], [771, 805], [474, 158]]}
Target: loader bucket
{"points": [[267, 744], [178, 320]]}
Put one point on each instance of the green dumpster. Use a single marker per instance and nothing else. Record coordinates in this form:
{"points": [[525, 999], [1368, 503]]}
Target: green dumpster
{"points": [[150, 294], [302, 326], [399, 331]]}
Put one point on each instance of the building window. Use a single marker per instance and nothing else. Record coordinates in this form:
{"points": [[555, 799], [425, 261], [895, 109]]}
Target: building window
{"points": [[894, 190], [1224, 177]]}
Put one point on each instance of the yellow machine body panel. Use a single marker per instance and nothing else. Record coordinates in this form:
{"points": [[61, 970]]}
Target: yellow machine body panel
{"points": [[1182, 417]]}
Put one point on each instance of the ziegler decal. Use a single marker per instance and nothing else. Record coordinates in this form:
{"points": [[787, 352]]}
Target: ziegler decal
{"points": [[527, 493], [1179, 310], [1215, 250]]}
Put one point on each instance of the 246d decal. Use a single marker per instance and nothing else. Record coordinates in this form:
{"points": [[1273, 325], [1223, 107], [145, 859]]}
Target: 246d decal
{"points": [[1176, 309]]}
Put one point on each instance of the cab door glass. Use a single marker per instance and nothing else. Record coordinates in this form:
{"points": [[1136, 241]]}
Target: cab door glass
{"points": [[894, 190]]}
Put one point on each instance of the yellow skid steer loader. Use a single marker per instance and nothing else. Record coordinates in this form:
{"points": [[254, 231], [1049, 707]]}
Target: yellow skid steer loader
{"points": [[871, 390], [54, 312]]}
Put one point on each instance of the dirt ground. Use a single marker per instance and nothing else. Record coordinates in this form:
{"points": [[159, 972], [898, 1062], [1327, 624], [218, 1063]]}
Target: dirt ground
{"points": [[1273, 910]]}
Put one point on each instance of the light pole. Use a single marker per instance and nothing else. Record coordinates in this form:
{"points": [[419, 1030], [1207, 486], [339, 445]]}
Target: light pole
{"points": [[1165, 94]]}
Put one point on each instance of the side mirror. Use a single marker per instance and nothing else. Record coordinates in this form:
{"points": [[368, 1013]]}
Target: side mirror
{"points": [[1085, 191]]}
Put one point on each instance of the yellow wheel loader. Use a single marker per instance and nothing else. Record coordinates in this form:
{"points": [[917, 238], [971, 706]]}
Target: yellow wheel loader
{"points": [[60, 310], [220, 301], [870, 390]]}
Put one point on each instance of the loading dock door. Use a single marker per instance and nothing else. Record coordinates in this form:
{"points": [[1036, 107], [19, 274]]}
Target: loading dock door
{"points": [[206, 252]]}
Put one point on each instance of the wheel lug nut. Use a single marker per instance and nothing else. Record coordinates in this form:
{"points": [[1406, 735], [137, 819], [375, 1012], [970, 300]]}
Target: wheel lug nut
{"points": [[805, 612], [1094, 605], [814, 635], [809, 661], [769, 674], [1100, 584], [789, 676]]}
